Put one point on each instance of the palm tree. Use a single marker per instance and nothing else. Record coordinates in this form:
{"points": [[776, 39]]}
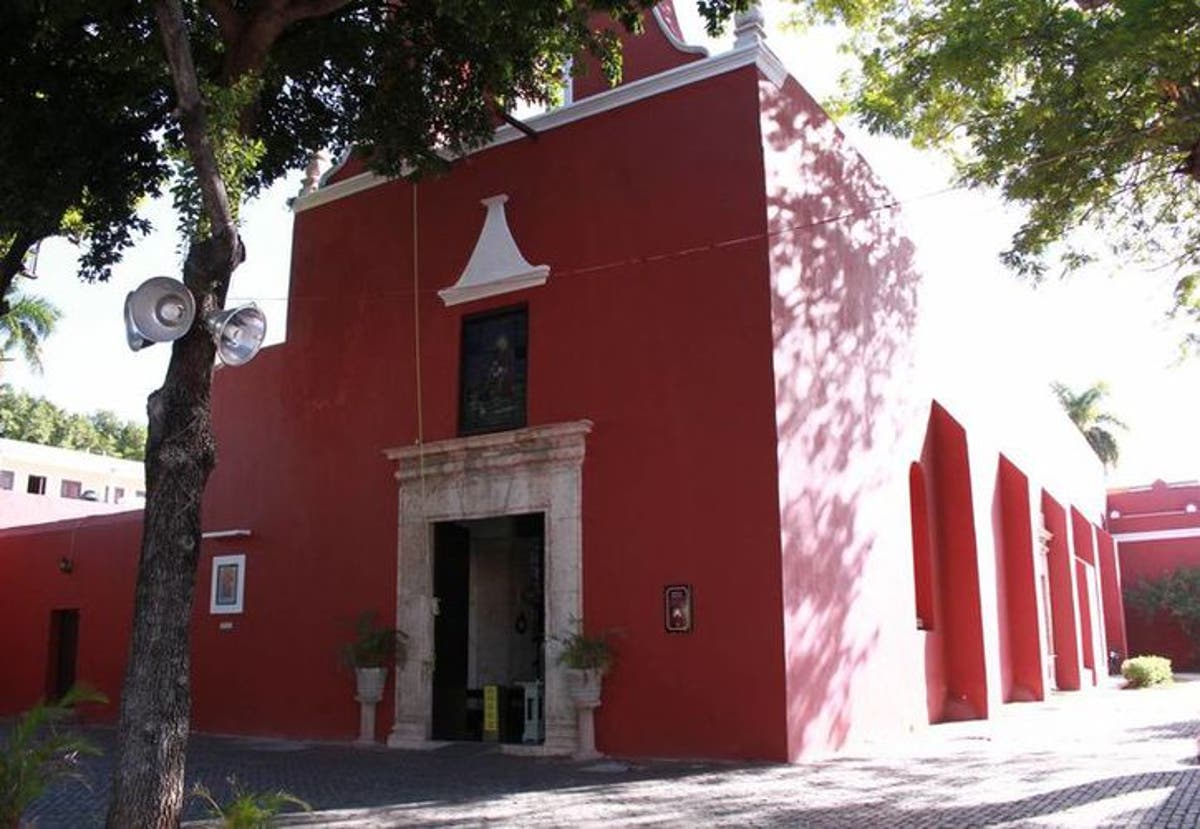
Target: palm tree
{"points": [[29, 321], [1084, 410]]}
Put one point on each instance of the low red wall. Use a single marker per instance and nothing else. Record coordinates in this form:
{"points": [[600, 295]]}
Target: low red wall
{"points": [[102, 554]]}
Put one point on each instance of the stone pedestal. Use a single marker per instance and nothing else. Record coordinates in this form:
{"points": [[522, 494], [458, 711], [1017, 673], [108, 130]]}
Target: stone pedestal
{"points": [[584, 689], [370, 692]]}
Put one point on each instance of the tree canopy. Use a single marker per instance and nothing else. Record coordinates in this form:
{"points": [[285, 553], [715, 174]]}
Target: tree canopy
{"points": [[1087, 113], [37, 420], [85, 104]]}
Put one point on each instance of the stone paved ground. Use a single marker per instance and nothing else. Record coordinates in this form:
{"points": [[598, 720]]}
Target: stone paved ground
{"points": [[1103, 758]]}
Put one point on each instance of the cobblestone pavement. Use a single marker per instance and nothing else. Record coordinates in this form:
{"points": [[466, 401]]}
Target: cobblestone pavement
{"points": [[1097, 758]]}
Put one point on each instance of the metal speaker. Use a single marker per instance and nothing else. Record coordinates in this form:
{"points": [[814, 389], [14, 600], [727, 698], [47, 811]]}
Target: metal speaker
{"points": [[238, 332], [160, 310]]}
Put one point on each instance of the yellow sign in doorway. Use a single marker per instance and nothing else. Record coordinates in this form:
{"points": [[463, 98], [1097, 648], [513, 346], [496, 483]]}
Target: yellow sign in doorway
{"points": [[491, 712]]}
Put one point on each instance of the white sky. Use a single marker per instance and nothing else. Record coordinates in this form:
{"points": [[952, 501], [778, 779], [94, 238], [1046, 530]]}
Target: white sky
{"points": [[1101, 325]]}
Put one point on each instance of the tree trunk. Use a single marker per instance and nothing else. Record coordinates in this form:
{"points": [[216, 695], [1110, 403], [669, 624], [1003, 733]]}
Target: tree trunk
{"points": [[148, 780], [156, 697]]}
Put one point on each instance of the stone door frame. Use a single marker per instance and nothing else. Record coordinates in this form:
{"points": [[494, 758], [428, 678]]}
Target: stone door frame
{"points": [[536, 469]]}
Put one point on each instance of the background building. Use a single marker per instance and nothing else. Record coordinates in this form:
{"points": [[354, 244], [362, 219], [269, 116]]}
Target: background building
{"points": [[45, 483]]}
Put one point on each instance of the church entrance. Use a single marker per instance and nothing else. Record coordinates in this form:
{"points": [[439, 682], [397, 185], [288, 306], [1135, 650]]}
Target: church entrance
{"points": [[489, 630], [496, 520]]}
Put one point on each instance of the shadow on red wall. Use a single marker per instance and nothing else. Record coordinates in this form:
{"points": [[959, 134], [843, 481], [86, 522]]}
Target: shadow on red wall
{"points": [[843, 312]]}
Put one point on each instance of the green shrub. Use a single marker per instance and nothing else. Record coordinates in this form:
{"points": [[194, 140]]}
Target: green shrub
{"points": [[374, 645], [37, 753], [1147, 671], [1176, 595], [246, 809]]}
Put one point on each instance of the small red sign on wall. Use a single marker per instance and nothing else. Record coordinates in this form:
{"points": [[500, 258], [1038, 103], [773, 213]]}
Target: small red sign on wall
{"points": [[677, 602]]}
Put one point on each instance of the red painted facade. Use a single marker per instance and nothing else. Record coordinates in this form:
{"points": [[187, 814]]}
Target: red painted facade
{"points": [[761, 433]]}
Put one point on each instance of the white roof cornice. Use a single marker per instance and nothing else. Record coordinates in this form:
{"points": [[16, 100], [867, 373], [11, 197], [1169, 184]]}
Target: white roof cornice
{"points": [[756, 54], [1157, 535]]}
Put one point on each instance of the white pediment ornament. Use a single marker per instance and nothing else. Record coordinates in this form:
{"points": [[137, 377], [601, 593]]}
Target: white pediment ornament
{"points": [[496, 265]]}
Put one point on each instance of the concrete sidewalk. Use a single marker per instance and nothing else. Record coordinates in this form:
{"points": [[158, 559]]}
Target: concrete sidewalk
{"points": [[1097, 758]]}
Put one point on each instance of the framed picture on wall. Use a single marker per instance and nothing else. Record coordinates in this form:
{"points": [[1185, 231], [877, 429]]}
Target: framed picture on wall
{"points": [[492, 373], [677, 606], [228, 584]]}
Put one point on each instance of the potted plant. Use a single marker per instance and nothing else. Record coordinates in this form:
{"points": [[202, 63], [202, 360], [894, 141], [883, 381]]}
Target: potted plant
{"points": [[587, 659], [372, 652]]}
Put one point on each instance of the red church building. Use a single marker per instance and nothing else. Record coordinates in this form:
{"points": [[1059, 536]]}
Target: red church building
{"points": [[661, 370]]}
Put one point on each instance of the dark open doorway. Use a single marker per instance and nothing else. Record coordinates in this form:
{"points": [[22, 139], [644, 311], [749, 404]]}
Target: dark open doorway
{"points": [[489, 653], [64, 651]]}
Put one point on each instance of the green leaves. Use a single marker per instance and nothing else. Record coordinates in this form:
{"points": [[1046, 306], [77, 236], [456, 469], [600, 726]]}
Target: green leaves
{"points": [[37, 753], [374, 645], [1084, 409], [247, 809], [1086, 117], [83, 101], [37, 420], [28, 322], [1177, 594], [237, 154]]}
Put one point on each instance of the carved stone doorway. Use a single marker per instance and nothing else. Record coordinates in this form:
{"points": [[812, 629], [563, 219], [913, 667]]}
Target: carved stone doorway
{"points": [[533, 470]]}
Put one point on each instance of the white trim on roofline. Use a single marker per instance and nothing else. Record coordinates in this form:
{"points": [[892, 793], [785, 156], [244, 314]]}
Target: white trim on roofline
{"points": [[1158, 535], [669, 33], [757, 55]]}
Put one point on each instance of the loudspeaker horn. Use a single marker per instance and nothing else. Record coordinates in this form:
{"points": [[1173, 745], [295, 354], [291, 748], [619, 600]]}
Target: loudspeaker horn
{"points": [[238, 332], [160, 310]]}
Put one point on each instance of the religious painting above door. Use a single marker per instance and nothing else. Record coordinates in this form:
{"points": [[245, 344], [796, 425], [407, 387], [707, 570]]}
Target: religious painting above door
{"points": [[493, 366]]}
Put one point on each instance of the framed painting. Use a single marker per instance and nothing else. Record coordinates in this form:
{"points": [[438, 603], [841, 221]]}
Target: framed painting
{"points": [[228, 584], [493, 368]]}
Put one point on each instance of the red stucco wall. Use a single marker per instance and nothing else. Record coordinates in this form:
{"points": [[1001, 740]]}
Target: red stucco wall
{"points": [[1110, 581], [646, 327], [849, 425], [1021, 658], [960, 618], [1068, 656], [736, 316], [102, 552]]}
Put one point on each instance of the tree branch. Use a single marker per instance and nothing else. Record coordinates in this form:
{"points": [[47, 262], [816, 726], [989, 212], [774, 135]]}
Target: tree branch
{"points": [[229, 22], [173, 27], [12, 262], [304, 9]]}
